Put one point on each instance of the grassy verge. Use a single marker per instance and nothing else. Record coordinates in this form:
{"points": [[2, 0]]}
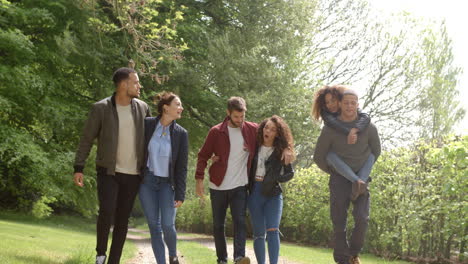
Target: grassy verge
{"points": [[307, 254], [58, 239], [194, 253]]}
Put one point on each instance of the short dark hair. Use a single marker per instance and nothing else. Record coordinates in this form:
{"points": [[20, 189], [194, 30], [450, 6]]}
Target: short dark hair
{"points": [[163, 98], [236, 103], [122, 74]]}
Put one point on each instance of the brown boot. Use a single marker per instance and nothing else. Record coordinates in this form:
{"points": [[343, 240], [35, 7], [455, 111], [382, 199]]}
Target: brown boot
{"points": [[354, 260]]}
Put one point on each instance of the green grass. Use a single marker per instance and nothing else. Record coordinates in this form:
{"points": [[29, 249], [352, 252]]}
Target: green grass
{"points": [[307, 254], [194, 253], [55, 240]]}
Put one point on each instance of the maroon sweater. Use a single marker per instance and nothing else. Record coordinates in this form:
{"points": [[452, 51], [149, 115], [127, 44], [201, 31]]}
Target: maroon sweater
{"points": [[217, 143]]}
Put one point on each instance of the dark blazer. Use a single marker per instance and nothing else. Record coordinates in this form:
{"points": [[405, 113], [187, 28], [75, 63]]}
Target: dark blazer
{"points": [[178, 163], [275, 172]]}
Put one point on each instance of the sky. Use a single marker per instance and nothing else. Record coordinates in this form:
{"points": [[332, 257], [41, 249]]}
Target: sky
{"points": [[455, 13]]}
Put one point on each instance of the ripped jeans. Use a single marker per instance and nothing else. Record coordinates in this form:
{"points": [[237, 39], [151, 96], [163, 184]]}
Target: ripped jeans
{"points": [[265, 213]]}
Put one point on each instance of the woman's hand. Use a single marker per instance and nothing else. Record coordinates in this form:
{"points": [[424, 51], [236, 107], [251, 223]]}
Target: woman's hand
{"points": [[352, 136], [178, 204]]}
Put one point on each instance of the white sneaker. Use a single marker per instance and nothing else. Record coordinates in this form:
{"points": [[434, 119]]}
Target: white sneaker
{"points": [[100, 259]]}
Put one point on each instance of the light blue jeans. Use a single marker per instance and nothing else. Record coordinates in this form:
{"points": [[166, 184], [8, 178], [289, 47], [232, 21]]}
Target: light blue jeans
{"points": [[157, 199], [344, 170], [265, 213]]}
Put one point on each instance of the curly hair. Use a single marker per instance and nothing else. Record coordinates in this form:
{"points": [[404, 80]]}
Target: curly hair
{"points": [[163, 98], [319, 99], [284, 138]]}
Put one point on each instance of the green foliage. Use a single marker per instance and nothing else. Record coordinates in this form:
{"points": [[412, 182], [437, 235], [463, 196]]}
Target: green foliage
{"points": [[420, 208], [41, 208]]}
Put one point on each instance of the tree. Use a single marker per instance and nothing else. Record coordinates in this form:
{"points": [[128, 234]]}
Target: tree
{"points": [[385, 59], [438, 105]]}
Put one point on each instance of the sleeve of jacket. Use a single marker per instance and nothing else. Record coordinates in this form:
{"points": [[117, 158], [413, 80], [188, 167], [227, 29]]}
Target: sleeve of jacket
{"points": [[90, 132], [321, 150], [181, 167], [148, 112], [332, 121], [287, 175], [363, 120], [205, 154], [374, 141]]}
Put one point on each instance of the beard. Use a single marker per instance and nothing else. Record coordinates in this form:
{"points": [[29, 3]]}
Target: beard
{"points": [[133, 95], [235, 125]]}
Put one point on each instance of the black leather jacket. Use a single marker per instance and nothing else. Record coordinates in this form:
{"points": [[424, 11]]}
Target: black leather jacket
{"points": [[275, 172]]}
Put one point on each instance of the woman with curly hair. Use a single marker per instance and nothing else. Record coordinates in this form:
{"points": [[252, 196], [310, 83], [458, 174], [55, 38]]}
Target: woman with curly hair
{"points": [[265, 202]]}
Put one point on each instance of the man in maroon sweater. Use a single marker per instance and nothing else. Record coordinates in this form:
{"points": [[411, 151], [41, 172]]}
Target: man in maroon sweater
{"points": [[233, 144]]}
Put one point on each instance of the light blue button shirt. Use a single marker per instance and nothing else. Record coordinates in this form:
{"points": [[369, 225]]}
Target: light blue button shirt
{"points": [[159, 151]]}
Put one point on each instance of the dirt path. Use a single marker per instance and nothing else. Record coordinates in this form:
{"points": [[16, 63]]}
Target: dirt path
{"points": [[208, 242], [145, 251]]}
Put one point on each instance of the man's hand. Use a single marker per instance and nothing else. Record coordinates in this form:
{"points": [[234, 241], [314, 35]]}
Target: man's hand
{"points": [[199, 188], [352, 136], [178, 204], [287, 156], [78, 179]]}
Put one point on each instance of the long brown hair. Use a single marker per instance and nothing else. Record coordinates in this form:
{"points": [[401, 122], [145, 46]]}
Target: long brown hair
{"points": [[283, 139], [319, 99]]}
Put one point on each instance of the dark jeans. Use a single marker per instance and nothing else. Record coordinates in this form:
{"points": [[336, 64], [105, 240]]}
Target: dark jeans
{"points": [[236, 199], [340, 191], [116, 195]]}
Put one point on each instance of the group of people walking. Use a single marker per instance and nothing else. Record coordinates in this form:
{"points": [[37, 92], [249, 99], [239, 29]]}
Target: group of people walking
{"points": [[148, 156]]}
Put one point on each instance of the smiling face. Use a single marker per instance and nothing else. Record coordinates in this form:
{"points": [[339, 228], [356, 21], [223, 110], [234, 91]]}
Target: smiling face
{"points": [[331, 103], [174, 110], [269, 133], [349, 105]]}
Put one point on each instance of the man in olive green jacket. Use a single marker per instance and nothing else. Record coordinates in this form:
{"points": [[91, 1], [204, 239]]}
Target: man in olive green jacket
{"points": [[354, 155], [117, 124]]}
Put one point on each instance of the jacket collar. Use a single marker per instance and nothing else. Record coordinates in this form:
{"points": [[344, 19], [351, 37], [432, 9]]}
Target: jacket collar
{"points": [[132, 102], [171, 126]]}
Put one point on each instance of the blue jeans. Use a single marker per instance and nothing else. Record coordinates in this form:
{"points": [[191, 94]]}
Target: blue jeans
{"points": [[344, 170], [265, 213], [157, 200]]}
